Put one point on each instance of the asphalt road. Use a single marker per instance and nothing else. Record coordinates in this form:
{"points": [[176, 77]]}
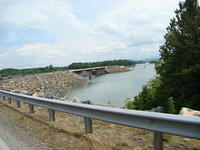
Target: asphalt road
{"points": [[14, 136], [3, 145]]}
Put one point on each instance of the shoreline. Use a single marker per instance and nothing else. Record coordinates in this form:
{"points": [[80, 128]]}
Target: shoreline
{"points": [[53, 85]]}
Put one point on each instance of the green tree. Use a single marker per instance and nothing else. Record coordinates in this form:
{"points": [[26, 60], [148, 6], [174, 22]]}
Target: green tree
{"points": [[180, 54], [146, 99]]}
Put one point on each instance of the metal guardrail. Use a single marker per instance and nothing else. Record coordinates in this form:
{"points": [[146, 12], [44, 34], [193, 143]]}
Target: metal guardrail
{"points": [[154, 121]]}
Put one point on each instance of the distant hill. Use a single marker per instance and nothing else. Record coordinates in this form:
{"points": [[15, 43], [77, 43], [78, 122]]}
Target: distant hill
{"points": [[150, 60]]}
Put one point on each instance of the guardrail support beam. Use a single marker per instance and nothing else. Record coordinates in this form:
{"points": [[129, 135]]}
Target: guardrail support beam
{"points": [[158, 143], [9, 100], [87, 121], [51, 115], [31, 108], [4, 98], [88, 125], [158, 136], [18, 104]]}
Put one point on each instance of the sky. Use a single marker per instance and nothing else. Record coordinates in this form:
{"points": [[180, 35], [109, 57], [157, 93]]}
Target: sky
{"points": [[36, 33]]}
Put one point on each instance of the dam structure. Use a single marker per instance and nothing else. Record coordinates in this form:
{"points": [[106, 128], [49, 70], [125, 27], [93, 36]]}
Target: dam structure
{"points": [[89, 72]]}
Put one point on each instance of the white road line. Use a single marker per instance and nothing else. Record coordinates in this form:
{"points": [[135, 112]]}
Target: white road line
{"points": [[3, 145]]}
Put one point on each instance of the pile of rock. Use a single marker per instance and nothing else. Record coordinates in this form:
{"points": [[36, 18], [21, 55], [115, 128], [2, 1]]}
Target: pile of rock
{"points": [[53, 85], [116, 69], [74, 99], [189, 112]]}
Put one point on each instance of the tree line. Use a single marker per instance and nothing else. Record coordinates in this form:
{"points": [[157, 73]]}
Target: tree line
{"points": [[101, 63], [16, 72]]}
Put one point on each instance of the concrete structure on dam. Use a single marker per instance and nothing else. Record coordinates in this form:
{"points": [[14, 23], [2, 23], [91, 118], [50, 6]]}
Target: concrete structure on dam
{"points": [[89, 72]]}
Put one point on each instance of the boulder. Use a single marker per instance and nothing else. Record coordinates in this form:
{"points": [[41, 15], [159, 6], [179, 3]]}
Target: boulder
{"points": [[189, 112]]}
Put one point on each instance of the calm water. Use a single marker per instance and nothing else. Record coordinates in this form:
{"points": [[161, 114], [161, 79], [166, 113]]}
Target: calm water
{"points": [[115, 89]]}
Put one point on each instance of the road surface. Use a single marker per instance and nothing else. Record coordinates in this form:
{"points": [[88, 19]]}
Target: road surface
{"points": [[3, 145], [13, 136]]}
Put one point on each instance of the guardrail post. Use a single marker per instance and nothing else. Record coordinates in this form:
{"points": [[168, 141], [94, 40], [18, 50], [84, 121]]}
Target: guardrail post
{"points": [[4, 98], [51, 115], [158, 144], [18, 104], [31, 108], [9, 100], [87, 121], [158, 136]]}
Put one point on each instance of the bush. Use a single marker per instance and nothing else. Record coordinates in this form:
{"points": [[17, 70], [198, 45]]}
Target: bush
{"points": [[130, 105], [146, 99], [170, 106]]}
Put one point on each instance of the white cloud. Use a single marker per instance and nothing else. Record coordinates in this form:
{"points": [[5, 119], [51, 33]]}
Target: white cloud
{"points": [[39, 49], [49, 15], [135, 23], [107, 48], [42, 53], [138, 17], [131, 29]]}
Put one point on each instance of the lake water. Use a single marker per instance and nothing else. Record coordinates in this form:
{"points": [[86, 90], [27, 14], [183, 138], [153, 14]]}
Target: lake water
{"points": [[117, 88]]}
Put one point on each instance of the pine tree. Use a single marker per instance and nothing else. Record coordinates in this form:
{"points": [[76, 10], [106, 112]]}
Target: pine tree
{"points": [[180, 54]]}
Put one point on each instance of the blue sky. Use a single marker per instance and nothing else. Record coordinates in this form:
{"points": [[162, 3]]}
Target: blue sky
{"points": [[42, 32]]}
